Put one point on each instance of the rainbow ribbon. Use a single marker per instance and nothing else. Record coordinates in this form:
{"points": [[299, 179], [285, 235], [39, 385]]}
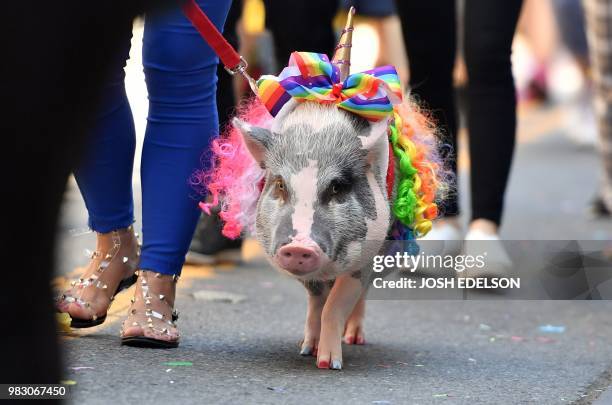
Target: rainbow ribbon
{"points": [[311, 76]]}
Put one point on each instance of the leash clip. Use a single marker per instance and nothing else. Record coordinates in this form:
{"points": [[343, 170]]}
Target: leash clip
{"points": [[239, 68]]}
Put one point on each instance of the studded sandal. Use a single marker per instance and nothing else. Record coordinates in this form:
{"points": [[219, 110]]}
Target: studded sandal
{"points": [[151, 317], [112, 269]]}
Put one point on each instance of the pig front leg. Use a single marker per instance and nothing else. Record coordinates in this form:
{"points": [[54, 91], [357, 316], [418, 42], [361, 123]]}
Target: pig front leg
{"points": [[341, 302], [353, 331], [317, 294]]}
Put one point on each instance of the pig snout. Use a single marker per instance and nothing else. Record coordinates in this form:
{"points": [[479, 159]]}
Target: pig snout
{"points": [[298, 258]]}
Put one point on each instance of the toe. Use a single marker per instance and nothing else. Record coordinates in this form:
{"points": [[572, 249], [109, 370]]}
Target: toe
{"points": [[78, 311], [308, 346], [133, 330], [330, 354], [354, 334]]}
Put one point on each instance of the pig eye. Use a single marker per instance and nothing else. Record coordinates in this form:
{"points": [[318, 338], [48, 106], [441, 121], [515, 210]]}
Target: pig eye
{"points": [[280, 185], [338, 187], [280, 189]]}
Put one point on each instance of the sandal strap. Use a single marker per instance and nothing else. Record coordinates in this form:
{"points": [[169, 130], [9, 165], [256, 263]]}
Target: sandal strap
{"points": [[152, 315], [93, 279]]}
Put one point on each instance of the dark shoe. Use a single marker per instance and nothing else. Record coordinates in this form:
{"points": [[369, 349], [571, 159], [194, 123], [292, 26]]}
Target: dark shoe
{"points": [[599, 209], [209, 246]]}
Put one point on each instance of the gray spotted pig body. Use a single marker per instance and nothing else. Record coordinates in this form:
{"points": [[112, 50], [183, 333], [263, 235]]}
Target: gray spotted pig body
{"points": [[325, 195]]}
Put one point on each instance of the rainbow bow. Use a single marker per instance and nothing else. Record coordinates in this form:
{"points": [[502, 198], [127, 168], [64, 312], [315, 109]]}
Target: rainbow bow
{"points": [[311, 76]]}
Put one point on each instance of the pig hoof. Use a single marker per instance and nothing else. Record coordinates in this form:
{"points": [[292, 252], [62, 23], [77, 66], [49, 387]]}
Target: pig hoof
{"points": [[354, 335], [336, 365], [306, 351], [323, 364], [308, 346]]}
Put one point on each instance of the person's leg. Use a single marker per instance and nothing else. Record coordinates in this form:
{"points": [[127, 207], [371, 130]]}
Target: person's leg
{"points": [[429, 30], [180, 71], [290, 36], [489, 30], [104, 172], [104, 176], [599, 26]]}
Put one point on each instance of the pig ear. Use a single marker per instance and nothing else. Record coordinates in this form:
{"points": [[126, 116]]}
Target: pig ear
{"points": [[256, 139], [376, 142]]}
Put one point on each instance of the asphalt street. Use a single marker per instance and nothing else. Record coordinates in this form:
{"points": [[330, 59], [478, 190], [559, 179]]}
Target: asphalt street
{"points": [[244, 349]]}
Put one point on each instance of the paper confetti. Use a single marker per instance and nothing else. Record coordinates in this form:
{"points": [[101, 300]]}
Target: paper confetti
{"points": [[179, 363], [218, 296], [68, 382], [63, 322], [80, 368], [552, 329]]}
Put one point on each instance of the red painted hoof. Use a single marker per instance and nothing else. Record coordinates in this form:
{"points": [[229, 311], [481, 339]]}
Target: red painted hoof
{"points": [[323, 364]]}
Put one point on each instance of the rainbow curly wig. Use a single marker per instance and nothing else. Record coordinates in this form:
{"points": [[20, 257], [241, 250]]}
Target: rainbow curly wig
{"points": [[235, 180]]}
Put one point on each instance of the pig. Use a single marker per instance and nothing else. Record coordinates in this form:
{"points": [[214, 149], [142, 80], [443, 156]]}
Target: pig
{"points": [[309, 175], [324, 195]]}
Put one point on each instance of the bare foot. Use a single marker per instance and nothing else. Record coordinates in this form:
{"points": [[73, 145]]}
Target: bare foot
{"points": [[112, 264], [151, 316]]}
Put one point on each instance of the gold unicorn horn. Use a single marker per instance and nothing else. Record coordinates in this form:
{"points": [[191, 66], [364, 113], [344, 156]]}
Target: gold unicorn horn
{"points": [[342, 54]]}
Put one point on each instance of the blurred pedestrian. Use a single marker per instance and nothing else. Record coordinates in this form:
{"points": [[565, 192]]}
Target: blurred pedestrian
{"points": [[599, 33], [180, 71], [54, 65], [312, 31], [430, 35]]}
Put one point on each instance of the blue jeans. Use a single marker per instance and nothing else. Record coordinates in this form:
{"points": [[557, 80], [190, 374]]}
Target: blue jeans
{"points": [[180, 72]]}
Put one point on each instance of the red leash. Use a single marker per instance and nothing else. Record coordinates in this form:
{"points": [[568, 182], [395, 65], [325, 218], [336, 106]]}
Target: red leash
{"points": [[233, 62]]}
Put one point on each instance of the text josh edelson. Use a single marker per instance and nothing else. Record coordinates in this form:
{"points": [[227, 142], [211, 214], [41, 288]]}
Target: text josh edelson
{"points": [[460, 263]]}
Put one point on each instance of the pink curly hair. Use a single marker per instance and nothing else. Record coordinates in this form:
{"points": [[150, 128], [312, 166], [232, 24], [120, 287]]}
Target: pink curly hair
{"points": [[235, 179]]}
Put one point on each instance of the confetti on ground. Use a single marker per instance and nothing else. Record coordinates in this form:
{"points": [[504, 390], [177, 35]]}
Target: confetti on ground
{"points": [[381, 402], [218, 296], [68, 382], [419, 365], [518, 339], [552, 329], [276, 389], [179, 363], [63, 322], [80, 368], [484, 326], [440, 395], [544, 339], [472, 360], [168, 370]]}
